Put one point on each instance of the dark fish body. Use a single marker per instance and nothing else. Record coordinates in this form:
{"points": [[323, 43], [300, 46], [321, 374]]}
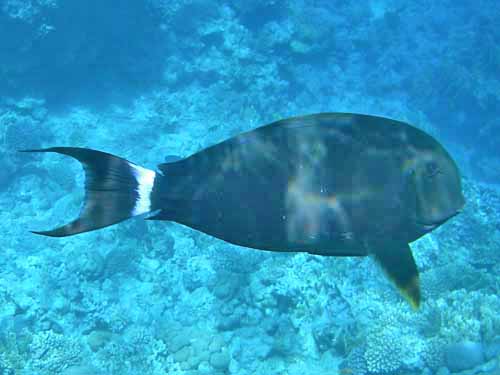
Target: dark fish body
{"points": [[329, 184], [325, 184]]}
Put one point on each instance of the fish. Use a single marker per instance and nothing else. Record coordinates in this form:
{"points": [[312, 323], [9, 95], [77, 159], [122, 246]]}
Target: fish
{"points": [[328, 184]]}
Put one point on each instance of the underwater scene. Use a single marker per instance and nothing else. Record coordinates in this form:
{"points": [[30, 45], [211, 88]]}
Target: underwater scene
{"points": [[282, 250]]}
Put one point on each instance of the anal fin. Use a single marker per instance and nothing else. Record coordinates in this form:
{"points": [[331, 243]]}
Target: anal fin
{"points": [[161, 215], [179, 210], [398, 263]]}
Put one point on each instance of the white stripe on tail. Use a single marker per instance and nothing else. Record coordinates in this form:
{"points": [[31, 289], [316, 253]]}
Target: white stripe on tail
{"points": [[145, 182]]}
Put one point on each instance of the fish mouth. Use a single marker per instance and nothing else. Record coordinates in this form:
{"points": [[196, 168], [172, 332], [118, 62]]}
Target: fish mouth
{"points": [[429, 226], [434, 224]]}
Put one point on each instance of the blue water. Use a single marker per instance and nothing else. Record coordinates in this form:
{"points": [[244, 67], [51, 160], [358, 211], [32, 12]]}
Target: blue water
{"points": [[147, 79]]}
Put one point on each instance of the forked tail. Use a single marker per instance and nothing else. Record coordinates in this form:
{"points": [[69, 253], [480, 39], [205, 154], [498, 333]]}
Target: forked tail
{"points": [[115, 190]]}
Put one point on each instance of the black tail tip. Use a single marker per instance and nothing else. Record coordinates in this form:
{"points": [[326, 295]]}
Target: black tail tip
{"points": [[48, 233]]}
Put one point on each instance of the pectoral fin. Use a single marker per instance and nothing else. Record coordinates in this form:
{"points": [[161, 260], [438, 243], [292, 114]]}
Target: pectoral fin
{"points": [[399, 265]]}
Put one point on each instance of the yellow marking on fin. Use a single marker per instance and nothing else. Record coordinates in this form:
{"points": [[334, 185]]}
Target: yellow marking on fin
{"points": [[411, 292], [400, 268]]}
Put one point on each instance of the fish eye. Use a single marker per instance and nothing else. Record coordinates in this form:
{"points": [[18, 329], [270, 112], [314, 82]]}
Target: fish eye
{"points": [[432, 169]]}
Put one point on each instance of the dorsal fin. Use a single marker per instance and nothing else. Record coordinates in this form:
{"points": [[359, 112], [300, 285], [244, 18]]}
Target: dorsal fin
{"points": [[169, 160]]}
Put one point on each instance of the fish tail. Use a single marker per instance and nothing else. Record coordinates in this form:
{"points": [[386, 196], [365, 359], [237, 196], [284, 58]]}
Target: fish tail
{"points": [[115, 190]]}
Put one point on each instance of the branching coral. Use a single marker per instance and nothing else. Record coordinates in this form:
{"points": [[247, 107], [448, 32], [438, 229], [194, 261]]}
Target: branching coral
{"points": [[356, 362], [11, 354], [459, 317], [383, 351], [51, 353], [433, 353]]}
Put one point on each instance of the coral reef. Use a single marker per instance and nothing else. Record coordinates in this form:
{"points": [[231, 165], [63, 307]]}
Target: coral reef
{"points": [[383, 351], [51, 353]]}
